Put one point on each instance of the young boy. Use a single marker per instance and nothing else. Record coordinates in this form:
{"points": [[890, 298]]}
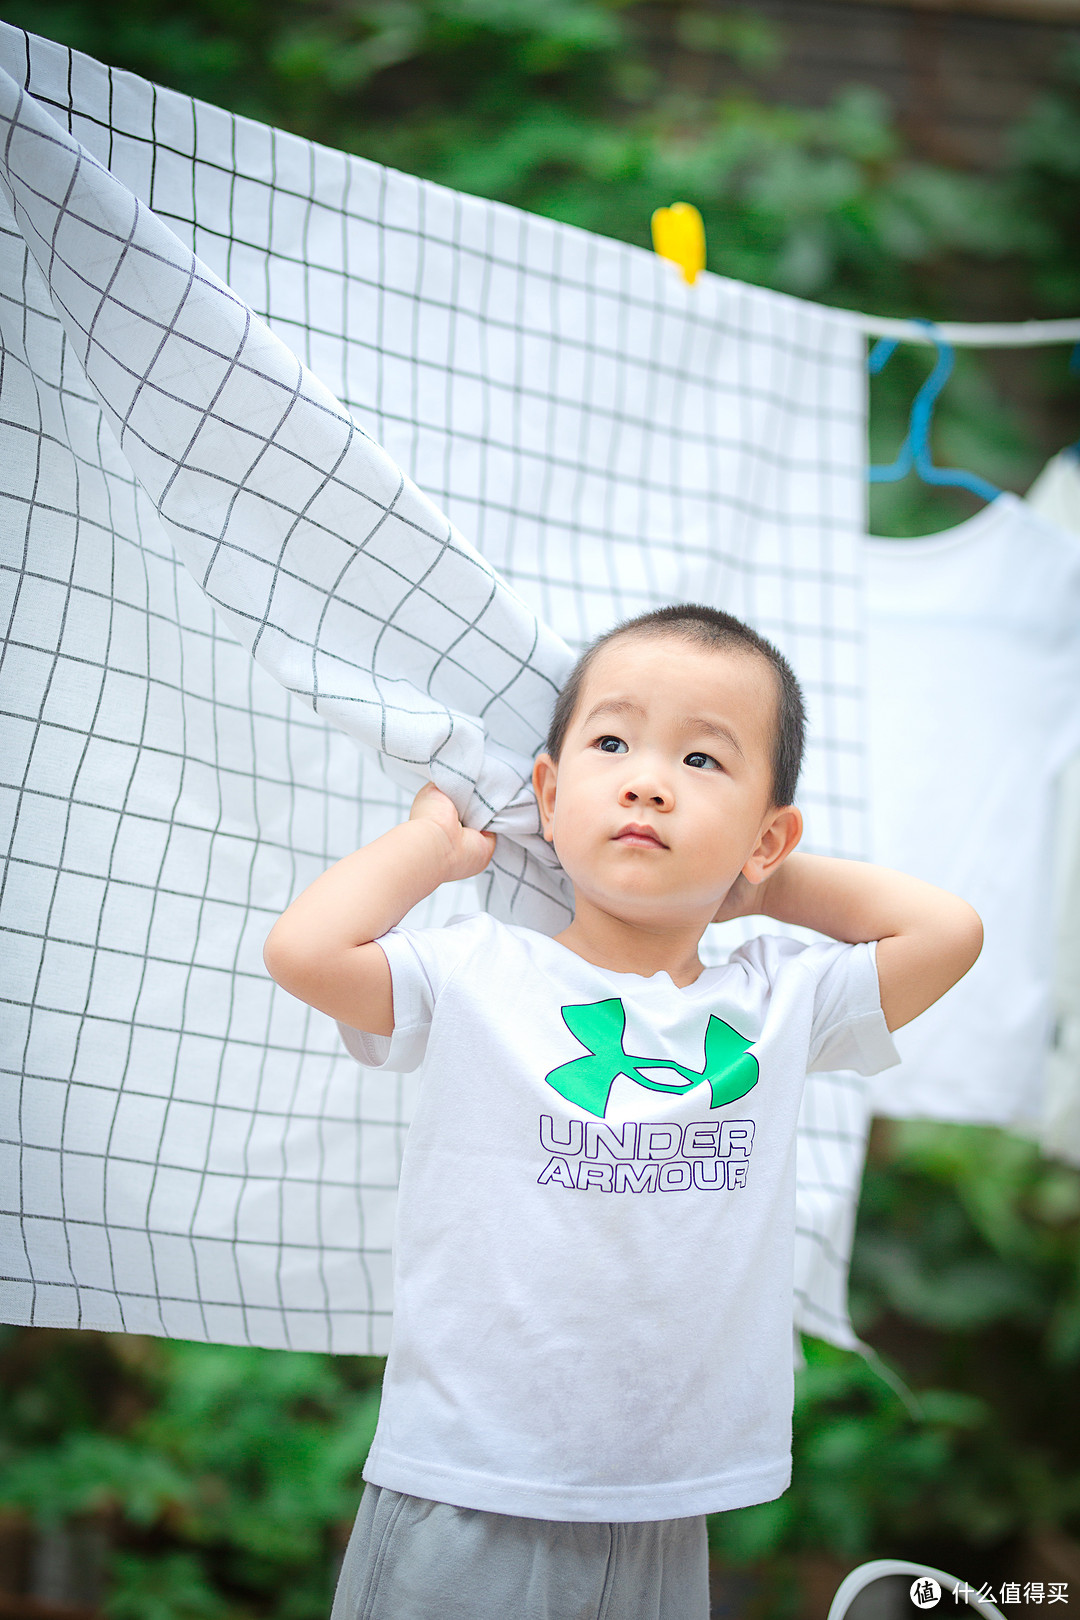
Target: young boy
{"points": [[593, 1283]]}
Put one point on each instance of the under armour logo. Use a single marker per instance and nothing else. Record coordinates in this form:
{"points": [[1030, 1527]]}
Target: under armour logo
{"points": [[730, 1068]]}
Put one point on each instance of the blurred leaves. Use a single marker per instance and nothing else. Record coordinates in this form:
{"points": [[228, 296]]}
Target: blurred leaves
{"points": [[597, 112], [172, 1587], [1047, 187], [224, 1475]]}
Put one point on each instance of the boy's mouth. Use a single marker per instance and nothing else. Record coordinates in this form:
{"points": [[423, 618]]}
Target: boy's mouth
{"points": [[636, 833]]}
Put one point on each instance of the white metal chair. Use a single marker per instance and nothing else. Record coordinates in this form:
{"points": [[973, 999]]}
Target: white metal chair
{"points": [[854, 1597]]}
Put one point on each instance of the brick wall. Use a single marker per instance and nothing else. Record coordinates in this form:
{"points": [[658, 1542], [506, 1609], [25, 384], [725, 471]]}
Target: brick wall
{"points": [[958, 74]]}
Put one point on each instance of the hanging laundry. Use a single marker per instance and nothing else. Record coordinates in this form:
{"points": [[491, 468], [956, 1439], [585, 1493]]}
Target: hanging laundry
{"points": [[1055, 494], [973, 675], [193, 1152], [1059, 1126]]}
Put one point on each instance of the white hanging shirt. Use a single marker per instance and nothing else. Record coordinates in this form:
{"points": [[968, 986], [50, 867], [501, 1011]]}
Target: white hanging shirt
{"points": [[1055, 494], [974, 707], [1059, 1132], [593, 1257]]}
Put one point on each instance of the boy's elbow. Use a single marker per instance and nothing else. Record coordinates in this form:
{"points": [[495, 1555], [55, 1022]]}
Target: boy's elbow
{"points": [[955, 942], [917, 969], [969, 937], [352, 983], [285, 960]]}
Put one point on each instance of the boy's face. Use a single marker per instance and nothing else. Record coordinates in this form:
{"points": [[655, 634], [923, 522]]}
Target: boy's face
{"points": [[662, 794]]}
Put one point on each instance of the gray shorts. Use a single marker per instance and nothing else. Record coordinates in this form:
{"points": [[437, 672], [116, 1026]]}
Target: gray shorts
{"points": [[410, 1559]]}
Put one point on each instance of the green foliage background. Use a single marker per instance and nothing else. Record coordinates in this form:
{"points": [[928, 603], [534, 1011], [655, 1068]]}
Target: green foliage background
{"points": [[223, 1481]]}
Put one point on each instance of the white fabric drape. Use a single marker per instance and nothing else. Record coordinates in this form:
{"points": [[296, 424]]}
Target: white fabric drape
{"points": [[1055, 495], [188, 1151], [974, 643]]}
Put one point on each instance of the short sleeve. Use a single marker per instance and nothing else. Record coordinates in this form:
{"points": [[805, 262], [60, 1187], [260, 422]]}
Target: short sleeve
{"points": [[421, 961], [847, 1026], [849, 1029]]}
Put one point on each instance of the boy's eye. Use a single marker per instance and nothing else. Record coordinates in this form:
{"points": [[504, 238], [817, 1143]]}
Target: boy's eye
{"points": [[611, 745], [702, 762]]}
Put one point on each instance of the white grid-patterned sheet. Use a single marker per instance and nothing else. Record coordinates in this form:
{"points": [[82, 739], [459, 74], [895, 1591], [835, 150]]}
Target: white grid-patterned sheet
{"points": [[188, 1151]]}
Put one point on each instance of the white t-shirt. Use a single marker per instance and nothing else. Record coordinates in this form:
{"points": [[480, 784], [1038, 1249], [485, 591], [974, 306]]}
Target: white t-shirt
{"points": [[1055, 495], [593, 1274], [974, 706]]}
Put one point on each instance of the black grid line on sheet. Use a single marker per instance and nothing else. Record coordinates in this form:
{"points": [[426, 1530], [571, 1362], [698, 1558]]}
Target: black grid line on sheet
{"points": [[608, 444]]}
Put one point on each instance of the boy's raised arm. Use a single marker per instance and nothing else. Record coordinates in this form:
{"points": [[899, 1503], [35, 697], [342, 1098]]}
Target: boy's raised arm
{"points": [[322, 948], [927, 938]]}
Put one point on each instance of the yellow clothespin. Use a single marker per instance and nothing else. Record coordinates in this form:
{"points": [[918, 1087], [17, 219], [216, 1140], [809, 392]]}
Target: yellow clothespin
{"points": [[678, 233]]}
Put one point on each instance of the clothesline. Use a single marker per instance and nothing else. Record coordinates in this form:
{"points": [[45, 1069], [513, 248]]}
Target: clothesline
{"points": [[679, 235], [975, 334]]}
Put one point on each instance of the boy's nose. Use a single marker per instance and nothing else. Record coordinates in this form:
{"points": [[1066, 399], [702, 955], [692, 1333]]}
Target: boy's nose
{"points": [[642, 791]]}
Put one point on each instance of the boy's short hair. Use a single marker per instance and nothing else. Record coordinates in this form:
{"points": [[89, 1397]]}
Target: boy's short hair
{"points": [[709, 628]]}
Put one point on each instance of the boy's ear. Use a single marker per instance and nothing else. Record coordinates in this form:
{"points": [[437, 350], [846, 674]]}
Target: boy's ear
{"points": [[545, 773], [776, 841]]}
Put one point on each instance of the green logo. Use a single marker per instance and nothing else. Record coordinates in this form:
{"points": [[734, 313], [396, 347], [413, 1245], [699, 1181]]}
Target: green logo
{"points": [[730, 1068]]}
